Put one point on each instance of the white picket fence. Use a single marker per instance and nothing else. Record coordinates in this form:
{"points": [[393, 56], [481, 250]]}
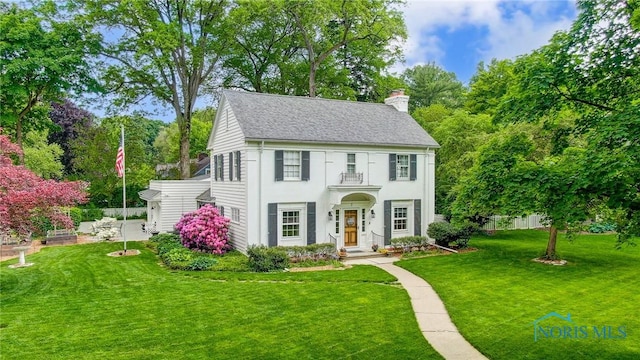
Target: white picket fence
{"points": [[115, 212], [498, 222]]}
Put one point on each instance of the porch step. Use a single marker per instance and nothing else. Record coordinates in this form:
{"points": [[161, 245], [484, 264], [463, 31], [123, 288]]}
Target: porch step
{"points": [[359, 254]]}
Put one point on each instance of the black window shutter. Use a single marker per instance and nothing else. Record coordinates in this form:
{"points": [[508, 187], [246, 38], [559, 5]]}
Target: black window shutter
{"points": [[305, 165], [311, 223], [417, 217], [272, 223], [215, 167], [279, 165], [387, 222], [221, 167], [239, 163], [413, 166], [231, 166], [392, 167]]}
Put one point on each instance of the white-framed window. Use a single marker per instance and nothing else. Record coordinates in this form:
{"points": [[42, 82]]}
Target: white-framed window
{"points": [[338, 221], [402, 167], [291, 223], [291, 165], [400, 218], [235, 214], [364, 220], [351, 163]]}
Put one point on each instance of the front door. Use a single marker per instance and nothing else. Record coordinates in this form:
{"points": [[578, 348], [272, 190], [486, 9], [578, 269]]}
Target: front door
{"points": [[351, 228]]}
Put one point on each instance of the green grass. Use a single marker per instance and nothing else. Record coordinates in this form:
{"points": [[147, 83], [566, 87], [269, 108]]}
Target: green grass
{"points": [[494, 295], [78, 303]]}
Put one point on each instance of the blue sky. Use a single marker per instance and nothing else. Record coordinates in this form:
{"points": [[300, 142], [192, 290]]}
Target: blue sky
{"points": [[458, 34]]}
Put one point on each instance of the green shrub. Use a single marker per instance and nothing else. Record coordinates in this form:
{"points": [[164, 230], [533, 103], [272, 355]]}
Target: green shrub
{"points": [[409, 241], [201, 263], [164, 237], [445, 233], [599, 228], [264, 259], [232, 261], [76, 215], [311, 252], [92, 214], [178, 258], [442, 232], [41, 225]]}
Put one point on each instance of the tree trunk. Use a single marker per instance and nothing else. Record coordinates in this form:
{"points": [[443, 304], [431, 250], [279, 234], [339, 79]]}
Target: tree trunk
{"points": [[551, 246], [312, 79], [185, 133]]}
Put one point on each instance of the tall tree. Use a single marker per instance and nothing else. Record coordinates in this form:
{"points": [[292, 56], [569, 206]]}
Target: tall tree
{"points": [[430, 84], [95, 153], [41, 157], [164, 50], [460, 135], [512, 177], [167, 141], [591, 69], [326, 26], [488, 86], [68, 119], [264, 40], [41, 60]]}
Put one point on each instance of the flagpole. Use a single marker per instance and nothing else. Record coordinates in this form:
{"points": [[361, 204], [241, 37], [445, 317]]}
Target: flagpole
{"points": [[124, 191]]}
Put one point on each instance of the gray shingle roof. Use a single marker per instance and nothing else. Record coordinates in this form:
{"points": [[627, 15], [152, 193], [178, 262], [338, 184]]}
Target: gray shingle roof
{"points": [[303, 119], [148, 194]]}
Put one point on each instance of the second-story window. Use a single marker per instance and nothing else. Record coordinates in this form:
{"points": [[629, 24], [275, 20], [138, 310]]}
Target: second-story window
{"points": [[402, 167], [351, 163], [291, 163]]}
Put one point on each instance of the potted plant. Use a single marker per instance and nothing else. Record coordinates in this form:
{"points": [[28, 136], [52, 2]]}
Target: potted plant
{"points": [[374, 247], [342, 252]]}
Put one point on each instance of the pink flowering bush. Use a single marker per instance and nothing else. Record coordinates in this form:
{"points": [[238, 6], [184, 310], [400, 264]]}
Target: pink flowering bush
{"points": [[26, 198], [204, 230]]}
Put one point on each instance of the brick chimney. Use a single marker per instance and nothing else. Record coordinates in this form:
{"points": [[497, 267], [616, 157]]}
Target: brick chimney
{"points": [[398, 100]]}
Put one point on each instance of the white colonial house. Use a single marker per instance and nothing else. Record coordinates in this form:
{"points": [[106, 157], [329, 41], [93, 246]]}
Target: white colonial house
{"points": [[296, 170]]}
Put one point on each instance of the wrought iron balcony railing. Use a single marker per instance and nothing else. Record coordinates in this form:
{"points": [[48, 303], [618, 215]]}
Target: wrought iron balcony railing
{"points": [[351, 178]]}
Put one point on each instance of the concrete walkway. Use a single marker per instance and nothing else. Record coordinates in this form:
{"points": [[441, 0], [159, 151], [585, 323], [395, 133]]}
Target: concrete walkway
{"points": [[433, 319]]}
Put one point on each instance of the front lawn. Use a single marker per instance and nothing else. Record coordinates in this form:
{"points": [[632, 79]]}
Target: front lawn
{"points": [[495, 294], [78, 303]]}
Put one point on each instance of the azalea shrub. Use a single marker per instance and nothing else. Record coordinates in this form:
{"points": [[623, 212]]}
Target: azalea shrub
{"points": [[205, 230]]}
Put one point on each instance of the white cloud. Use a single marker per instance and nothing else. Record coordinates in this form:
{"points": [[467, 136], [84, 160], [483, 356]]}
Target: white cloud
{"points": [[511, 28]]}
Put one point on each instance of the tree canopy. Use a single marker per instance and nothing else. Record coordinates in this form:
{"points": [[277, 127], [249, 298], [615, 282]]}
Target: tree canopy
{"points": [[41, 60], [429, 84], [582, 92]]}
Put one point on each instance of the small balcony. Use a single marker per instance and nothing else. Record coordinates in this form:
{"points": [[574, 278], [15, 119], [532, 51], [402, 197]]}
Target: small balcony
{"points": [[351, 178]]}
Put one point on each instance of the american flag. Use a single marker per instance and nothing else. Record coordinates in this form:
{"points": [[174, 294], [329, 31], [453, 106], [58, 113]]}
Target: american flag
{"points": [[120, 157]]}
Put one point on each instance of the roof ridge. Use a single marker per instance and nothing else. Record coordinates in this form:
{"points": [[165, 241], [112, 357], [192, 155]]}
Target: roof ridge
{"points": [[300, 97]]}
